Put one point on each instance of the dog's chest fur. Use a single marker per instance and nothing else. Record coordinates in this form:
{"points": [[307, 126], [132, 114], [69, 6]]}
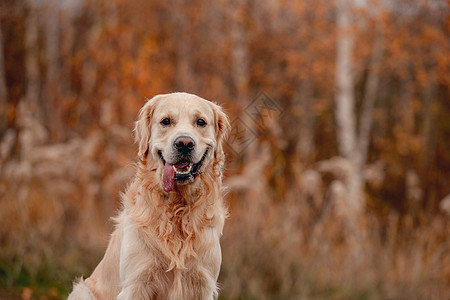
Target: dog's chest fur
{"points": [[179, 230]]}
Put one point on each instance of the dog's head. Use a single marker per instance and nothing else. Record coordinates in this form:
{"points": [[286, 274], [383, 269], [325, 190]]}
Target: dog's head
{"points": [[181, 134]]}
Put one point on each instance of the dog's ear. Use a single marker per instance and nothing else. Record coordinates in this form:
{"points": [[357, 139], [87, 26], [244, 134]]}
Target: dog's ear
{"points": [[142, 129], [223, 127]]}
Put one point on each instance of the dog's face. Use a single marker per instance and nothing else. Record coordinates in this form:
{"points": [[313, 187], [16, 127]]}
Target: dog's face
{"points": [[182, 134]]}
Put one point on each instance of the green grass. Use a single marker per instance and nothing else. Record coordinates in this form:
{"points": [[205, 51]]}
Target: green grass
{"points": [[44, 276]]}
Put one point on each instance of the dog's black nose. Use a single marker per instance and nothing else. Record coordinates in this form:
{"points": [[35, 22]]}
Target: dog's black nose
{"points": [[184, 144]]}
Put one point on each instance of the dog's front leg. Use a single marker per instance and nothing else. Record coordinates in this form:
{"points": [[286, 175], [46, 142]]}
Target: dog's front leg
{"points": [[134, 267]]}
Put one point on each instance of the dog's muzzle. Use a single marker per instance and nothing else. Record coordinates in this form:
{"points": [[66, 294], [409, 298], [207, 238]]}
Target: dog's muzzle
{"points": [[184, 170]]}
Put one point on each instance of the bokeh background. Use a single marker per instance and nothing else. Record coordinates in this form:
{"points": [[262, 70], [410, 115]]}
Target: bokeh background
{"points": [[338, 165]]}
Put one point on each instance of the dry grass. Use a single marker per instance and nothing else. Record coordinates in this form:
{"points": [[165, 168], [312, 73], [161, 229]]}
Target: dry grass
{"points": [[271, 253], [300, 247], [44, 239]]}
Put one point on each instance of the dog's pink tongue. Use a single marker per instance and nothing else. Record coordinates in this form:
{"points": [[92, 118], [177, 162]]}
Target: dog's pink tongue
{"points": [[168, 177]]}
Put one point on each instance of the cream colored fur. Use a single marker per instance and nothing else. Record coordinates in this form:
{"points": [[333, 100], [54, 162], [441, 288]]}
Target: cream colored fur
{"points": [[166, 245]]}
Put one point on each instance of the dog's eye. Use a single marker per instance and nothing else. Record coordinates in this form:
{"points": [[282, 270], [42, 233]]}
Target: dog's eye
{"points": [[165, 122], [201, 122]]}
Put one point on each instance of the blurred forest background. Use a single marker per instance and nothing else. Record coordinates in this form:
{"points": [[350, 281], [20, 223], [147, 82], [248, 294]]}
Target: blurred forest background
{"points": [[338, 164]]}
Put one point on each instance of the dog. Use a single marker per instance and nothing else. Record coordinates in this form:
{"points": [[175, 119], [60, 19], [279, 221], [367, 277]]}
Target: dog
{"points": [[166, 239]]}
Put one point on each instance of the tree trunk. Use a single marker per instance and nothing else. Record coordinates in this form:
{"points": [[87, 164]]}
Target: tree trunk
{"points": [[428, 134], [370, 94], [89, 80], [32, 59], [239, 51], [345, 103], [3, 89], [54, 109], [67, 45], [305, 146], [185, 75], [245, 129]]}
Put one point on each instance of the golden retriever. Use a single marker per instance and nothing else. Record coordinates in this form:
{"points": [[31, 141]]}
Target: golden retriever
{"points": [[166, 241]]}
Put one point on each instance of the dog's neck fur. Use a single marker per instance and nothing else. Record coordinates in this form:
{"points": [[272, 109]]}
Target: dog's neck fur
{"points": [[177, 223]]}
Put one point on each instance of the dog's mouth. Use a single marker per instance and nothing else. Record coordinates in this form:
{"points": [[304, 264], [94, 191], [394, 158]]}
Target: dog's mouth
{"points": [[182, 172]]}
